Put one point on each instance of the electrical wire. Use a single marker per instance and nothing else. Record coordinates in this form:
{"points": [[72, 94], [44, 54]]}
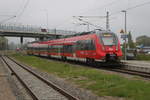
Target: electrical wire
{"points": [[104, 6], [23, 10], [88, 22], [6, 15], [7, 19], [63, 22], [139, 5], [133, 7]]}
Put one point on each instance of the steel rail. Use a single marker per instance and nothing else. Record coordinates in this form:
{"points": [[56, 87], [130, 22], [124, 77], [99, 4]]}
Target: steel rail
{"points": [[132, 72], [54, 86], [119, 67], [21, 81]]}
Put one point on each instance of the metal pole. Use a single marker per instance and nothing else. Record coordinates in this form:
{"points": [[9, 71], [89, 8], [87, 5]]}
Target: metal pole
{"points": [[55, 33], [107, 21], [88, 27], [125, 26]]}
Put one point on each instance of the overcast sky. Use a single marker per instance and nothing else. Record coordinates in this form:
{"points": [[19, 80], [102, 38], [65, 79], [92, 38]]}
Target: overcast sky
{"points": [[60, 14]]}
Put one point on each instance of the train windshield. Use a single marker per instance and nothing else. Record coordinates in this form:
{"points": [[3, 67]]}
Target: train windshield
{"points": [[108, 39]]}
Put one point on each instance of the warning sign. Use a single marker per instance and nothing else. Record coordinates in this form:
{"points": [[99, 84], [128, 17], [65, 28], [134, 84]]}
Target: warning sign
{"points": [[122, 31]]}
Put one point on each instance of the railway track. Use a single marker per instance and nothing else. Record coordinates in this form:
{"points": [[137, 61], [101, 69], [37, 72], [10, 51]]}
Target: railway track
{"points": [[121, 68], [115, 67], [38, 87], [131, 72]]}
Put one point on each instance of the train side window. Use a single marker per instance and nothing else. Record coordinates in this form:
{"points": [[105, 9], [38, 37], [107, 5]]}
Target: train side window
{"points": [[92, 45], [82, 45], [56, 49], [86, 45], [68, 48]]}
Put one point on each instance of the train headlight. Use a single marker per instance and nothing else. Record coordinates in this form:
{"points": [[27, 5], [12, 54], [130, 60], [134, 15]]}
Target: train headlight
{"points": [[103, 48], [116, 48]]}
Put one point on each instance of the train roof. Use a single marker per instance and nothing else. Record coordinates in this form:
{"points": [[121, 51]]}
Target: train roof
{"points": [[90, 32], [96, 31]]}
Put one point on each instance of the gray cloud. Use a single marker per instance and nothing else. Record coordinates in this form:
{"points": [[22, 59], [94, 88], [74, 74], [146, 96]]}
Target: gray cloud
{"points": [[60, 13]]}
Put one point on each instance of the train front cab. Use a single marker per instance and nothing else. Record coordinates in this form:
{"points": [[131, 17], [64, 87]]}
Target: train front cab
{"points": [[109, 47]]}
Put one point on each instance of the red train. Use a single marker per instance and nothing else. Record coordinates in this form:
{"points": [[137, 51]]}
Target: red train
{"points": [[87, 46]]}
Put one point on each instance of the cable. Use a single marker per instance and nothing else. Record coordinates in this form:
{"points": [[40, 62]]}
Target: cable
{"points": [[63, 22], [6, 15], [130, 8], [104, 6], [88, 23], [7, 19], [139, 5], [25, 6], [23, 10]]}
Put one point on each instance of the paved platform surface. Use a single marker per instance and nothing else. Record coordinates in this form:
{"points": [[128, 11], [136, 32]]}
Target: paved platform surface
{"points": [[142, 66], [138, 63], [5, 90]]}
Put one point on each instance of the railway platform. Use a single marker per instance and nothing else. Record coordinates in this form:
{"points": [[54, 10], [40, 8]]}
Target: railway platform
{"points": [[6, 92], [143, 66]]}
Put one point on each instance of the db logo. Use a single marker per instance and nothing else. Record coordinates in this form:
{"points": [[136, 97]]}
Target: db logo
{"points": [[81, 52]]}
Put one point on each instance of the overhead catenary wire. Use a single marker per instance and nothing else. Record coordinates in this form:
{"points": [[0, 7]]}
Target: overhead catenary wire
{"points": [[131, 8], [109, 4], [7, 19], [64, 22], [7, 15], [87, 22], [127, 9], [16, 15], [139, 5], [104, 6], [23, 10]]}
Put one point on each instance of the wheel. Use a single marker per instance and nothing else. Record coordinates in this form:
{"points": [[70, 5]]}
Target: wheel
{"points": [[90, 61], [63, 58]]}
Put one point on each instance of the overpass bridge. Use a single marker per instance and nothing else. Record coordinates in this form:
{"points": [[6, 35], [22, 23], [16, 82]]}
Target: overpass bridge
{"points": [[30, 32]]}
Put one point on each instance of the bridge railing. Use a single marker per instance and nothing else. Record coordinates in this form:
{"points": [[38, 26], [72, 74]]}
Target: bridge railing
{"points": [[31, 29], [22, 28]]}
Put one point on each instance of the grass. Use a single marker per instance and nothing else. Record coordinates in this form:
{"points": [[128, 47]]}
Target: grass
{"points": [[99, 82], [143, 57]]}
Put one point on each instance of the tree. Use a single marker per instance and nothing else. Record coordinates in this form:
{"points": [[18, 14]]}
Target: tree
{"points": [[12, 46], [130, 41], [3, 43], [143, 40]]}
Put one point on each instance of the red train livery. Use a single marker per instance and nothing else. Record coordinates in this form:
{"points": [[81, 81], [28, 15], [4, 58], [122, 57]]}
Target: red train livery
{"points": [[87, 46]]}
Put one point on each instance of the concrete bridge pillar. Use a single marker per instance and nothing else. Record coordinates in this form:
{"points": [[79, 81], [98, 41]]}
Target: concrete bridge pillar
{"points": [[21, 40], [41, 38]]}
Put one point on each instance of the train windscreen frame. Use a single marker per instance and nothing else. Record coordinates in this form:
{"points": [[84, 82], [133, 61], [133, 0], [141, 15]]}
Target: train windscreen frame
{"points": [[108, 39]]}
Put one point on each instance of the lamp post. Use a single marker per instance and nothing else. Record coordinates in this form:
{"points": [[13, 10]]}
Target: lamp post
{"points": [[125, 28]]}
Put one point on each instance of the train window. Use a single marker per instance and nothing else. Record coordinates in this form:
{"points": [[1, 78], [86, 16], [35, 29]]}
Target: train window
{"points": [[56, 48], [92, 46], [80, 45], [86, 45], [108, 39], [68, 49]]}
